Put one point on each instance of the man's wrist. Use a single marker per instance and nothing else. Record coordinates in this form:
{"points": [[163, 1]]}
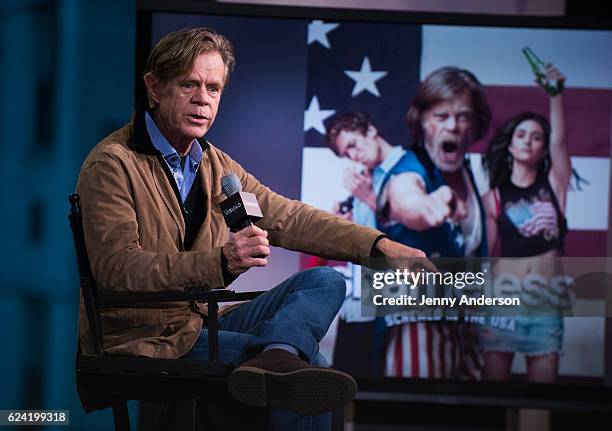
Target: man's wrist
{"points": [[371, 201], [375, 251], [228, 277]]}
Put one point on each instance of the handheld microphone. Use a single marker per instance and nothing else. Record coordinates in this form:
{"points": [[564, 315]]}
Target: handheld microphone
{"points": [[240, 209]]}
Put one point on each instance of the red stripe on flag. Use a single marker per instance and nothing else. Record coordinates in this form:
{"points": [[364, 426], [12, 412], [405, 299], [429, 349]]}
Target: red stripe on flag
{"points": [[586, 243], [453, 348], [430, 353], [588, 114], [442, 351], [399, 358], [414, 349]]}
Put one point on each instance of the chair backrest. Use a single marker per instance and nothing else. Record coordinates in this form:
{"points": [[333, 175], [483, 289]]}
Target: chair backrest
{"points": [[86, 279]]}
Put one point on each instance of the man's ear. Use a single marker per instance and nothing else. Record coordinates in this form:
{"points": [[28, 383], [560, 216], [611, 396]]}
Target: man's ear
{"points": [[153, 89], [372, 131]]}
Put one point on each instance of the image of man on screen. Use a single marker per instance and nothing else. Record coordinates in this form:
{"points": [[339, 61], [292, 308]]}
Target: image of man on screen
{"points": [[425, 196], [433, 200], [150, 195], [354, 136]]}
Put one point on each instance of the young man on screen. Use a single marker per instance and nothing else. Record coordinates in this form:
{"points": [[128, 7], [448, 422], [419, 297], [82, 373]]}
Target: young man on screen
{"points": [[426, 197], [150, 196]]}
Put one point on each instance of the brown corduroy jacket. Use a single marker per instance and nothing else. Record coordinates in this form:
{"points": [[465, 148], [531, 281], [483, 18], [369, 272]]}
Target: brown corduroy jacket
{"points": [[134, 233]]}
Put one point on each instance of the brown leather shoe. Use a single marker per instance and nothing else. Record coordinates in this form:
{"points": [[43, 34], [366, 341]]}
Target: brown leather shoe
{"points": [[280, 379]]}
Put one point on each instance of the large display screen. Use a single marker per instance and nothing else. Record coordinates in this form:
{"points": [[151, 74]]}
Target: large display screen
{"points": [[301, 73]]}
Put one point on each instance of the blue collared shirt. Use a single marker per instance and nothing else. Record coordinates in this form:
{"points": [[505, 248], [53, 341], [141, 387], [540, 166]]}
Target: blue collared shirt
{"points": [[184, 177]]}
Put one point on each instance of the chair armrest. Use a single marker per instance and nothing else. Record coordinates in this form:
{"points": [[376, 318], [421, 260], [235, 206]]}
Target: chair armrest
{"points": [[212, 297], [217, 295], [152, 366]]}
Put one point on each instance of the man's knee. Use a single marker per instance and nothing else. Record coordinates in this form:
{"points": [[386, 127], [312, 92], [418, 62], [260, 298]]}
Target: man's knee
{"points": [[329, 278]]}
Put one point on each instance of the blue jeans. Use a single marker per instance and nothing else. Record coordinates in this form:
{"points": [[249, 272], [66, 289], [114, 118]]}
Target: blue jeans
{"points": [[298, 312]]}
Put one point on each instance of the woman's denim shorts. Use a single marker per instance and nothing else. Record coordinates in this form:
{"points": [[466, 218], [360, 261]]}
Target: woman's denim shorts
{"points": [[529, 335]]}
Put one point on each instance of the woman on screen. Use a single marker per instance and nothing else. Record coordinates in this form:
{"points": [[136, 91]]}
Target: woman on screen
{"points": [[529, 172]]}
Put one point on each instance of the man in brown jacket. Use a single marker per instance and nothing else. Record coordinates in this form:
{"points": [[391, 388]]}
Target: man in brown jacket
{"points": [[150, 196]]}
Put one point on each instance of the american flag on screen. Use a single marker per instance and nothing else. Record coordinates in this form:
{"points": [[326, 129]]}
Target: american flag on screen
{"points": [[367, 67]]}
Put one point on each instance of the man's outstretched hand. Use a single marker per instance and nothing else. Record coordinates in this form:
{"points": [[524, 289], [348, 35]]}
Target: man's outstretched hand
{"points": [[400, 255], [394, 249], [246, 248]]}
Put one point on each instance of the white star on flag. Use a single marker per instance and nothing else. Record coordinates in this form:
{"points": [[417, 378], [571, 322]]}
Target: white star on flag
{"points": [[317, 32], [314, 116], [365, 79]]}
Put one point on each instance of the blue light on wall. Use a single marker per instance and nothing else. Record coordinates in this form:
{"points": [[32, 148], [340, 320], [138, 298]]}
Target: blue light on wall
{"points": [[67, 69]]}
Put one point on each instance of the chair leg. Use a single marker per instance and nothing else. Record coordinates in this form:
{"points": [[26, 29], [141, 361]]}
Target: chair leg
{"points": [[197, 407], [120, 416], [164, 419], [337, 419]]}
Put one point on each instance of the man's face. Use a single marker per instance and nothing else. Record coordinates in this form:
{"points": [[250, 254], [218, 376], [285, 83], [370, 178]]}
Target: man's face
{"points": [[187, 105], [363, 149], [448, 132]]}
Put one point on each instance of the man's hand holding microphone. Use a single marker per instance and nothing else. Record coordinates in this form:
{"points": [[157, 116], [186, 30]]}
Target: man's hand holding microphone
{"points": [[248, 245], [246, 248]]}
